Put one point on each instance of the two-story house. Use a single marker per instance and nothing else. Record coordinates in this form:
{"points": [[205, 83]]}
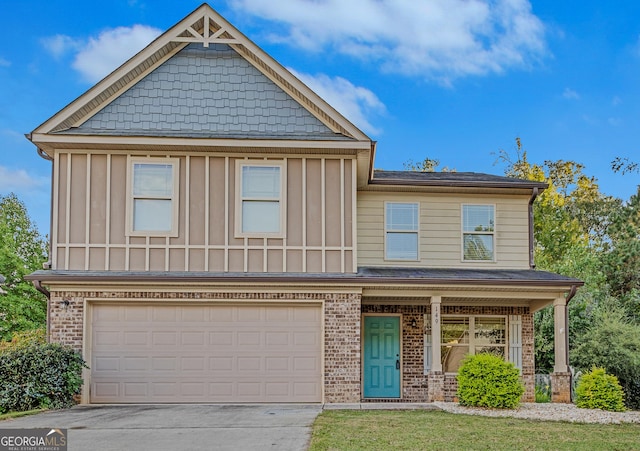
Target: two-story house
{"points": [[219, 235]]}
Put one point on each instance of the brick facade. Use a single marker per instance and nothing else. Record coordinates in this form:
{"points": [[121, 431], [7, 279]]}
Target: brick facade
{"points": [[418, 387], [342, 337], [341, 328], [66, 313], [342, 348], [561, 387]]}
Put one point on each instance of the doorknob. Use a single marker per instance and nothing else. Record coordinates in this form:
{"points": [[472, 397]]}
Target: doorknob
{"points": [[397, 362]]}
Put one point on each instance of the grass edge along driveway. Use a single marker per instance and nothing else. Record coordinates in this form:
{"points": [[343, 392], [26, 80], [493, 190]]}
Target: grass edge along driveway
{"points": [[424, 430]]}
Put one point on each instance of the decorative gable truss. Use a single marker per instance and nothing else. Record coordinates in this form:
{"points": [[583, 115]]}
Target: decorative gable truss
{"points": [[206, 31]]}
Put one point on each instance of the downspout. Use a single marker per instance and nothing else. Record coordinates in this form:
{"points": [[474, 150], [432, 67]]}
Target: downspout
{"points": [[572, 293], [534, 194], [37, 283], [41, 289], [372, 157]]}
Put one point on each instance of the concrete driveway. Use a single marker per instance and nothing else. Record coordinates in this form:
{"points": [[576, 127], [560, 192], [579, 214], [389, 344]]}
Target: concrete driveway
{"points": [[179, 427]]}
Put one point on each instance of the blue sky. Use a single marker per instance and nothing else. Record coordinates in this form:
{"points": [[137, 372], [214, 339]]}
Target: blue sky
{"points": [[454, 80]]}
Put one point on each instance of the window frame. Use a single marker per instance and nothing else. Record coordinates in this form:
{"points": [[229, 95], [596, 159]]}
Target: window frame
{"points": [[472, 343], [174, 197], [402, 231], [238, 217], [491, 233]]}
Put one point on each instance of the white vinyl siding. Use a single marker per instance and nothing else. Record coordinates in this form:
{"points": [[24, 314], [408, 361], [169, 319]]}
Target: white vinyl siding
{"points": [[401, 231], [440, 244]]}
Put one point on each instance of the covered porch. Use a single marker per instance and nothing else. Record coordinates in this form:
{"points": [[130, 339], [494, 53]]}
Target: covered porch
{"points": [[440, 320]]}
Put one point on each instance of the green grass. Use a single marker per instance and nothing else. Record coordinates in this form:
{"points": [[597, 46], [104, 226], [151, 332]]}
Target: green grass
{"points": [[9, 415], [425, 430]]}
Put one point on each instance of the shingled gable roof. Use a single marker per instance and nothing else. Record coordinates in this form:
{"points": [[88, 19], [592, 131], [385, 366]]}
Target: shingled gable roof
{"points": [[206, 27], [451, 179]]}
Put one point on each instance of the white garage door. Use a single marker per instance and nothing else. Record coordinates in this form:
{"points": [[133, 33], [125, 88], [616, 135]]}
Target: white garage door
{"points": [[205, 353]]}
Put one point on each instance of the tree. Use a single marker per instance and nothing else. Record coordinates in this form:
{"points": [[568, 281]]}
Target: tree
{"points": [[571, 219], [622, 258], [426, 165], [22, 251], [612, 342], [624, 165]]}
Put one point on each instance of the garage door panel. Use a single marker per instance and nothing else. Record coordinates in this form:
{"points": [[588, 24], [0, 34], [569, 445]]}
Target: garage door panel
{"points": [[192, 339], [134, 314], [305, 338], [190, 354], [248, 339]]}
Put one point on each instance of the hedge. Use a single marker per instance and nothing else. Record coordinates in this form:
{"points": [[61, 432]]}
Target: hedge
{"points": [[39, 376]]}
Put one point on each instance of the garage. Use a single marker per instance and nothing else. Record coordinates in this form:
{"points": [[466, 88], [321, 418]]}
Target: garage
{"points": [[150, 353]]}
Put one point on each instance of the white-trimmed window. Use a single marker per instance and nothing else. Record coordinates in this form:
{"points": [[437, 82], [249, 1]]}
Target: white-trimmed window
{"points": [[153, 196], [401, 231], [478, 232], [462, 335], [260, 192]]}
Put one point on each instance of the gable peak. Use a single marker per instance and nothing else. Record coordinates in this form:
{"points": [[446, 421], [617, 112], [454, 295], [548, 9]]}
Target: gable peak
{"points": [[207, 29]]}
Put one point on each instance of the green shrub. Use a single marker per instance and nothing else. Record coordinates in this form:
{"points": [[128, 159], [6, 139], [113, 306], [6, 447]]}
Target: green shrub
{"points": [[24, 339], [486, 380], [599, 390], [612, 343], [39, 376], [542, 394]]}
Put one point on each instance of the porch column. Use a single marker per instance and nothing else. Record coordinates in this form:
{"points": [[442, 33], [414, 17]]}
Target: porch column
{"points": [[561, 377], [435, 378], [560, 335], [436, 349]]}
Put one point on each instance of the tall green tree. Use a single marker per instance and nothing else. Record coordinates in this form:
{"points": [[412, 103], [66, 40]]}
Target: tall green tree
{"points": [[571, 220], [22, 251]]}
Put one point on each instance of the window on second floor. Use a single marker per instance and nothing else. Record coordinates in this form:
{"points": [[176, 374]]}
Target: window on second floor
{"points": [[153, 196], [478, 232], [401, 231], [260, 208]]}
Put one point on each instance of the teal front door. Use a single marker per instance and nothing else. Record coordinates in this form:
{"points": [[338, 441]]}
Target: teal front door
{"points": [[381, 357]]}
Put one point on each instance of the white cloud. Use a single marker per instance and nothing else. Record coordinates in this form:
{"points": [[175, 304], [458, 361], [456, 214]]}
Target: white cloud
{"points": [[101, 55], [61, 44], [441, 39], [19, 180], [4, 62], [356, 103], [569, 93]]}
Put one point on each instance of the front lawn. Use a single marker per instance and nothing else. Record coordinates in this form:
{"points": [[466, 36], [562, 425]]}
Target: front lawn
{"points": [[423, 430]]}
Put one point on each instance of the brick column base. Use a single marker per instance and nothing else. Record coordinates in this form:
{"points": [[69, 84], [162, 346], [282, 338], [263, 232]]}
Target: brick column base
{"points": [[561, 387], [435, 386]]}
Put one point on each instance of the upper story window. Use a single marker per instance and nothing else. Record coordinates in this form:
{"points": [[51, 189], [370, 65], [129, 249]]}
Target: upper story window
{"points": [[153, 196], [478, 232], [462, 335], [259, 189], [401, 231]]}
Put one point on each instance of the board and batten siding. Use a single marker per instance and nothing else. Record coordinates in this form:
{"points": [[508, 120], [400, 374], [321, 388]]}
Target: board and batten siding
{"points": [[89, 225], [440, 235]]}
